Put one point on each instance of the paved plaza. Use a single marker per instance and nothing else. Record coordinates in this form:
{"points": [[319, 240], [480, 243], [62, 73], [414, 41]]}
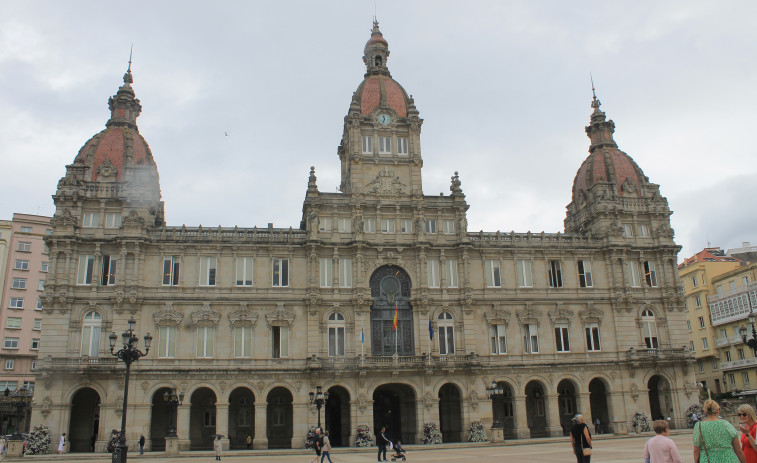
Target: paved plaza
{"points": [[606, 450]]}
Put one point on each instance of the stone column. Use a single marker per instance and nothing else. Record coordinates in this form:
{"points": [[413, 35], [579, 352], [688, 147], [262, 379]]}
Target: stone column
{"points": [[300, 424], [222, 423], [520, 420], [260, 439], [620, 417], [182, 426], [554, 429]]}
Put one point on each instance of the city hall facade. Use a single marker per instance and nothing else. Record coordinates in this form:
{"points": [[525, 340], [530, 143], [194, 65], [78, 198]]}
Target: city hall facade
{"points": [[380, 295]]}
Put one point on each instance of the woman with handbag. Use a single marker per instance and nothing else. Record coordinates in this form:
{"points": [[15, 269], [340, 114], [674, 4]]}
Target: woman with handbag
{"points": [[748, 427], [580, 440], [716, 440]]}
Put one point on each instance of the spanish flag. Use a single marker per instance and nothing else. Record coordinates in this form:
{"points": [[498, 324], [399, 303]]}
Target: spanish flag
{"points": [[396, 316]]}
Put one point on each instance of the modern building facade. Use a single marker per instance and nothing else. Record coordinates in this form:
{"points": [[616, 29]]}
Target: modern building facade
{"points": [[27, 266], [380, 295], [697, 273]]}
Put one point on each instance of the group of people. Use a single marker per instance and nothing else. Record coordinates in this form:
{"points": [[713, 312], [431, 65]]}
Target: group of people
{"points": [[715, 439], [322, 446], [384, 442]]}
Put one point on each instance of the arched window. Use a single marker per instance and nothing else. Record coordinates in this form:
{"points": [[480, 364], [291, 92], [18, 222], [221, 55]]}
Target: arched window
{"points": [[446, 334], [336, 335], [90, 334], [649, 329]]}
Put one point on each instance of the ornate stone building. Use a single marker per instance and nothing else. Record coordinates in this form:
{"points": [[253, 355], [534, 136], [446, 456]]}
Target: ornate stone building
{"points": [[248, 321]]}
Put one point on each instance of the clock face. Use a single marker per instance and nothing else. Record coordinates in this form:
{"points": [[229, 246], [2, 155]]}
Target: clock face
{"points": [[384, 119]]}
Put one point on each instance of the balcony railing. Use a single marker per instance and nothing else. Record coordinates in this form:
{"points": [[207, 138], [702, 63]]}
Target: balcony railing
{"points": [[658, 354], [730, 341], [740, 363], [733, 305]]}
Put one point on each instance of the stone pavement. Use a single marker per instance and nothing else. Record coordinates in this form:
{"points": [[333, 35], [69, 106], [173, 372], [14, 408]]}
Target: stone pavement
{"points": [[606, 450]]}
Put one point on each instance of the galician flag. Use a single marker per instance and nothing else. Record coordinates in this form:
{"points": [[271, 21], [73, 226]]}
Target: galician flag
{"points": [[430, 329], [396, 316]]}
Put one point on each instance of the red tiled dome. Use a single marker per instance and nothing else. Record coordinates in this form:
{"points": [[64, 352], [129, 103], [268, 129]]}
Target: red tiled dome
{"points": [[370, 91], [117, 147], [611, 165]]}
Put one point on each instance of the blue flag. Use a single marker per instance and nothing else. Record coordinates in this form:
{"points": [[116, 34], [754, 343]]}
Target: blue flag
{"points": [[362, 334], [430, 330]]}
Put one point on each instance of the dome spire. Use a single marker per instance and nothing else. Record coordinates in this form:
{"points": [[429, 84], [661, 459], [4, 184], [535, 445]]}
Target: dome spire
{"points": [[600, 130], [376, 52], [124, 107]]}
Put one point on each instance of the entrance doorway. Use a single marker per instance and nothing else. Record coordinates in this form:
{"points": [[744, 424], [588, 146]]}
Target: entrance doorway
{"points": [[280, 426], [85, 420], [536, 409], [337, 416], [503, 410], [450, 413], [202, 419], [599, 407], [241, 417], [566, 395], [660, 403], [394, 408], [159, 418]]}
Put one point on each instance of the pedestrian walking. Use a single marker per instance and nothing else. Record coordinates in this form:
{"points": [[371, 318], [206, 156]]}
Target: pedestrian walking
{"points": [[62, 444], [141, 444], [326, 447], [382, 441], [596, 426], [580, 440], [218, 447], [249, 442], [316, 443], [715, 440], [660, 448], [3, 446], [748, 427]]}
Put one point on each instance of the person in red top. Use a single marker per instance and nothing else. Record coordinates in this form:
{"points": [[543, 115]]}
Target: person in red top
{"points": [[748, 427]]}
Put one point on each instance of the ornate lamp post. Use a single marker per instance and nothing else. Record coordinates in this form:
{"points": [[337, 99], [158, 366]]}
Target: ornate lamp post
{"points": [[752, 341], [129, 354], [174, 400], [22, 400], [495, 391], [318, 399]]}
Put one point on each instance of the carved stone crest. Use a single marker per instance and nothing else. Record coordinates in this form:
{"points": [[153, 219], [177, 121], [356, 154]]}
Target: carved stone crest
{"points": [[243, 317], [386, 184]]}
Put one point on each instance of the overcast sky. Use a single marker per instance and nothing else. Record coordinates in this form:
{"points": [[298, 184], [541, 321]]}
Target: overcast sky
{"points": [[503, 88]]}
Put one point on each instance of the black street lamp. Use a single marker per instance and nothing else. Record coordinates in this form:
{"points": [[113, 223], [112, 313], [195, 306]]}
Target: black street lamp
{"points": [[22, 400], [174, 400], [752, 341], [129, 354], [318, 399], [495, 391]]}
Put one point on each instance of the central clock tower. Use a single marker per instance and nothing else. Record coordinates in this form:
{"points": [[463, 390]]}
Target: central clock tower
{"points": [[380, 150]]}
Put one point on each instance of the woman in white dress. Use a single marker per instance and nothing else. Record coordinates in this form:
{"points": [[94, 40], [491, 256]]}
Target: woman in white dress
{"points": [[62, 444]]}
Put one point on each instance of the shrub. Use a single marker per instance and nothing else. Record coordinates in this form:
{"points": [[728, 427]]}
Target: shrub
{"points": [[310, 436], [694, 409], [363, 436], [39, 441], [431, 434], [476, 432], [641, 422]]}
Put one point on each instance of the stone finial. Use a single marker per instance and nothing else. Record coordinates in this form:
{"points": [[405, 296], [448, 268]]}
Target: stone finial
{"points": [[455, 186], [312, 186]]}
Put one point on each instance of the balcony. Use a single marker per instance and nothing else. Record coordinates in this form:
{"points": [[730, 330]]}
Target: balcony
{"points": [[737, 364], [731, 341], [733, 305], [658, 354]]}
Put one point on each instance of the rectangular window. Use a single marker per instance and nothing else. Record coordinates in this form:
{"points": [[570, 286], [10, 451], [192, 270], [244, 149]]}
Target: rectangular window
{"points": [[492, 274], [562, 341], [327, 272], [385, 145], [44, 267], [732, 379], [34, 366], [701, 322], [745, 377], [26, 229], [367, 145], [369, 225], [245, 266], [86, 267], [691, 346], [242, 341], [10, 364], [745, 281], [731, 285], [633, 273], [402, 146], [108, 271], [554, 274], [280, 272], [592, 337], [19, 283], [431, 226], [324, 224], [643, 230], [345, 272], [523, 270], [715, 365], [406, 226], [388, 225], [584, 274], [650, 274], [432, 268], [698, 301], [113, 220], [13, 323], [448, 227], [694, 281], [35, 343], [497, 339], [24, 246], [451, 273], [336, 341], [90, 340], [21, 264], [11, 343], [90, 219], [17, 303], [205, 340], [727, 356], [41, 285], [530, 339], [208, 271], [171, 271], [167, 342], [627, 230], [37, 324], [688, 325], [740, 352], [705, 344], [446, 340], [719, 289], [344, 225], [279, 342]]}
